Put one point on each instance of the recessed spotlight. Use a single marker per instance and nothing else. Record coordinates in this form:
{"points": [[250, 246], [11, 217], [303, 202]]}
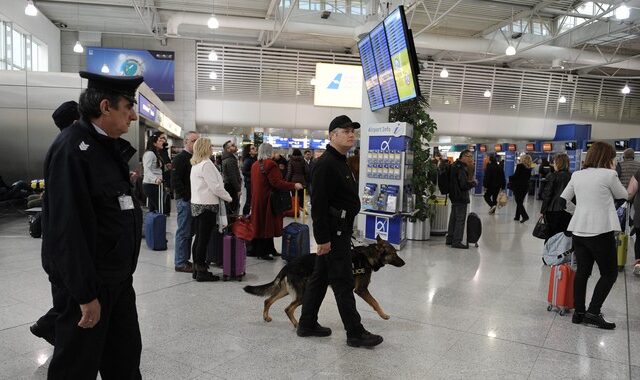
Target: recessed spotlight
{"points": [[447, 102], [213, 56], [444, 73], [510, 50], [562, 99], [297, 92], [213, 88], [213, 75], [625, 90], [487, 93]]}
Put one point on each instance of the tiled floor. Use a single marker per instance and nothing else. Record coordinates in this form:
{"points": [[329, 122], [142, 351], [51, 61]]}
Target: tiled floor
{"points": [[455, 314]]}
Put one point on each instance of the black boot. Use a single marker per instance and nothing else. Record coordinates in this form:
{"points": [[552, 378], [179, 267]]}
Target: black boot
{"points": [[317, 330], [201, 274], [578, 317], [598, 321], [364, 339]]}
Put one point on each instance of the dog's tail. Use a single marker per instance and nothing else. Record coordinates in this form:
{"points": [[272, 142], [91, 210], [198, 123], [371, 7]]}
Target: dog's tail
{"points": [[269, 288]]}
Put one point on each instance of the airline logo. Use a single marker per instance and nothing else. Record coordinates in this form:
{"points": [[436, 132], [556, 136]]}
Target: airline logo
{"points": [[382, 227], [335, 83]]}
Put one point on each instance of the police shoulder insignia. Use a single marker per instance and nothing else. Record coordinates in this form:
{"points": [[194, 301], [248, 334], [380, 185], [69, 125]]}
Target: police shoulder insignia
{"points": [[83, 146]]}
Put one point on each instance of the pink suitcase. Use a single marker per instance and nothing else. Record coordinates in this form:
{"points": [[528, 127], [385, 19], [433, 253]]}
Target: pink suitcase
{"points": [[234, 258]]}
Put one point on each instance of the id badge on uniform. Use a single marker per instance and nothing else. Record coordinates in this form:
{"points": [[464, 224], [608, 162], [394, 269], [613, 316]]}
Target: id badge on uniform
{"points": [[126, 202]]}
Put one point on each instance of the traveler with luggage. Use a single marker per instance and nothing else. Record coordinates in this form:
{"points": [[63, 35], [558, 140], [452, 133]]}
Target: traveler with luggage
{"points": [[335, 205], [91, 236], [152, 177], [207, 197], [553, 206], [266, 178], [231, 176], [520, 186], [593, 225], [297, 172], [459, 186], [249, 154], [181, 184], [633, 192], [493, 182]]}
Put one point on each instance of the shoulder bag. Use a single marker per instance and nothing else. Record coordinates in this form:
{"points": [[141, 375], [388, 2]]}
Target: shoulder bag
{"points": [[280, 199]]}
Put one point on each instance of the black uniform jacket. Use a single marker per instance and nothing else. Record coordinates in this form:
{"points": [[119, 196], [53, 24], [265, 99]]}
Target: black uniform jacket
{"points": [[334, 189], [88, 240]]}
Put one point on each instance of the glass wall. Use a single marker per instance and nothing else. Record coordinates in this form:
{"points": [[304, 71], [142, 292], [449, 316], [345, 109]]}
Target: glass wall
{"points": [[20, 50]]}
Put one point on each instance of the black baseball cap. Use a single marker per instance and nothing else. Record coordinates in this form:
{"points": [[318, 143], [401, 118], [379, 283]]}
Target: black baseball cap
{"points": [[66, 114], [121, 85], [343, 121]]}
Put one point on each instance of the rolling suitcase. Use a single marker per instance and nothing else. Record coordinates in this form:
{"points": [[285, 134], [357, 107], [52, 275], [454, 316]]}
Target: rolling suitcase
{"points": [[622, 241], [155, 226], [234, 258], [295, 238], [560, 295], [474, 228]]}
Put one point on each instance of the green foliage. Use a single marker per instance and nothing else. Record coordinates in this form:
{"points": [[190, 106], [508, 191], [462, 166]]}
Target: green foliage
{"points": [[415, 113]]}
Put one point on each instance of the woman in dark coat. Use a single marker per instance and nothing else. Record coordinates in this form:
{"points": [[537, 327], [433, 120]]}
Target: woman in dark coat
{"points": [[297, 172], [249, 156], [265, 177], [553, 206], [520, 186], [493, 182]]}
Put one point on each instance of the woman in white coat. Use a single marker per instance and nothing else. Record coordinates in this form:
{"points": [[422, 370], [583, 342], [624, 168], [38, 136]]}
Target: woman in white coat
{"points": [[207, 196], [593, 225]]}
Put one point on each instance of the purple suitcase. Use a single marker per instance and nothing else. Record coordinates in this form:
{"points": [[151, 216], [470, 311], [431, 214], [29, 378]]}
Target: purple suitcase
{"points": [[234, 258]]}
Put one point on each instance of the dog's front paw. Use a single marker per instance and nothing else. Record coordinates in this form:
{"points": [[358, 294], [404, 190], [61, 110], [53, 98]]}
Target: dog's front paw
{"points": [[384, 316], [267, 319]]}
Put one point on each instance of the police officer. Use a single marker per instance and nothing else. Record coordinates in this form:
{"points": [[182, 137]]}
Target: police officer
{"points": [[334, 204], [91, 236]]}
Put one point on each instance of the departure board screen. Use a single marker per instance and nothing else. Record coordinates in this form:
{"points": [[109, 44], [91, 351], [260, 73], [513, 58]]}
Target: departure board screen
{"points": [[370, 73], [383, 64], [394, 26]]}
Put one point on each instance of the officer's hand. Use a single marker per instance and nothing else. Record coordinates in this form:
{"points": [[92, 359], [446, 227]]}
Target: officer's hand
{"points": [[90, 314], [323, 249], [299, 186]]}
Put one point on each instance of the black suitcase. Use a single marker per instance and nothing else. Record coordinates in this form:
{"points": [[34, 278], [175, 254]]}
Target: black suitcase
{"points": [[474, 228], [35, 225]]}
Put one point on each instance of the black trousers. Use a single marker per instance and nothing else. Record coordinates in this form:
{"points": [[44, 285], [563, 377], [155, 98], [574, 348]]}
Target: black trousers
{"points": [[600, 249], [112, 347], [204, 224], [151, 191], [261, 247], [636, 246], [457, 221], [521, 212], [234, 206], [491, 196], [47, 322], [246, 210], [333, 268]]}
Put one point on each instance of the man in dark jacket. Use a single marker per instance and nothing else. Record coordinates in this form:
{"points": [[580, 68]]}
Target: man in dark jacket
{"points": [[167, 165], [181, 184], [91, 236], [459, 187], [231, 176], [335, 204], [493, 182], [248, 160]]}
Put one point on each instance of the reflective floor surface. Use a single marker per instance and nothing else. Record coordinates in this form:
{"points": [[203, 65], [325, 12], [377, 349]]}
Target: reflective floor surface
{"points": [[455, 314]]}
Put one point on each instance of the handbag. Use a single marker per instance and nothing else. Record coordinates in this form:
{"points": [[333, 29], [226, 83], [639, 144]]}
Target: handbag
{"points": [[243, 229], [541, 230], [503, 199], [280, 199], [221, 216]]}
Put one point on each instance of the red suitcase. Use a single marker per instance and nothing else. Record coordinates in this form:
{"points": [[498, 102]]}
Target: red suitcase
{"points": [[234, 258], [560, 295]]}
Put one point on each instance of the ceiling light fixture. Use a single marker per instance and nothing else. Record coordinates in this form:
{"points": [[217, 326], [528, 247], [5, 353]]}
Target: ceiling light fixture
{"points": [[447, 102], [213, 23], [213, 56], [213, 88], [622, 12], [213, 75], [297, 92], [30, 9], [510, 50], [104, 69], [444, 73], [77, 48], [312, 81], [625, 90], [562, 99], [487, 93]]}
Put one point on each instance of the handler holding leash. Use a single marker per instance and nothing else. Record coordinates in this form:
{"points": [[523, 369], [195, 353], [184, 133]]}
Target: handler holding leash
{"points": [[334, 204]]}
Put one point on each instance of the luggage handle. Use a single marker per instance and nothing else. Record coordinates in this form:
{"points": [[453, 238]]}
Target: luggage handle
{"points": [[160, 199], [296, 205]]}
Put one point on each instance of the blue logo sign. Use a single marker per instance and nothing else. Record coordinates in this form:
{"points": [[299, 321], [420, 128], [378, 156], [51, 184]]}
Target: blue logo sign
{"points": [[382, 227], [335, 83]]}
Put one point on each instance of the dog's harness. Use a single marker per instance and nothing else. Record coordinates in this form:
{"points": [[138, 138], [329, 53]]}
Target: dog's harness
{"points": [[358, 263]]}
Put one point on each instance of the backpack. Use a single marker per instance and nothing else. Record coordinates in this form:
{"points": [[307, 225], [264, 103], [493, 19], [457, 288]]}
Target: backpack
{"points": [[444, 180], [557, 250], [35, 225]]}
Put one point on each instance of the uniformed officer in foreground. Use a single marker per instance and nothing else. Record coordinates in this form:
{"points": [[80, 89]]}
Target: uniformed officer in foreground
{"points": [[91, 236], [334, 206]]}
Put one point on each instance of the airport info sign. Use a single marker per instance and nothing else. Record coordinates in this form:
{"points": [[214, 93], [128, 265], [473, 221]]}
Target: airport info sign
{"points": [[338, 85]]}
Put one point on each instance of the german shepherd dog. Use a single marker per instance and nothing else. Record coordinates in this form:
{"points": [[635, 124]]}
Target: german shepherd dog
{"points": [[293, 277]]}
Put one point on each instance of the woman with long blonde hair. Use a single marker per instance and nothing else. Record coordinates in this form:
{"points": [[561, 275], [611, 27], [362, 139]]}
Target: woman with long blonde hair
{"points": [[207, 196], [520, 185]]}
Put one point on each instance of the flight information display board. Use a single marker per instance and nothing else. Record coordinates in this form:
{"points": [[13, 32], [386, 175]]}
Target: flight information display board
{"points": [[383, 64], [370, 73], [399, 51]]}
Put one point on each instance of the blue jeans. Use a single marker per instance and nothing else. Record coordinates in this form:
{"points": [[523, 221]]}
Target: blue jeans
{"points": [[183, 233]]}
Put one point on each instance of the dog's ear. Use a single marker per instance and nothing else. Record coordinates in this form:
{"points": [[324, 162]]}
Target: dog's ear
{"points": [[379, 240]]}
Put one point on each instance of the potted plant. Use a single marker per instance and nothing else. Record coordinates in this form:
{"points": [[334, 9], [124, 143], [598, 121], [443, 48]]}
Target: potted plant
{"points": [[424, 177]]}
